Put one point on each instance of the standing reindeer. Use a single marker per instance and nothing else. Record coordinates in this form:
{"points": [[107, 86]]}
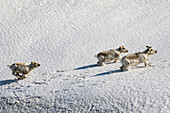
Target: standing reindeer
{"points": [[136, 58], [21, 69], [112, 54]]}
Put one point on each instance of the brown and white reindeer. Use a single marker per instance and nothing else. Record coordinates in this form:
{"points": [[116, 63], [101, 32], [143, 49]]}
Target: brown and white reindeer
{"points": [[112, 54], [21, 69], [137, 58]]}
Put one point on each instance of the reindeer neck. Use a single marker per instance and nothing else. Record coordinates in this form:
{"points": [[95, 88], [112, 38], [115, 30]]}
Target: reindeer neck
{"points": [[118, 51], [30, 67], [146, 52]]}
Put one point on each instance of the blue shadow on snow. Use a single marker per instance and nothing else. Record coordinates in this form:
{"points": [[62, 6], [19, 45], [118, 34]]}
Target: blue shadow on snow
{"points": [[107, 73], [86, 67], [5, 82]]}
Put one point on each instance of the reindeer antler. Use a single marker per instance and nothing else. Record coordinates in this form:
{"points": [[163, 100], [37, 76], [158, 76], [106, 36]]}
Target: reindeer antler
{"points": [[148, 46]]}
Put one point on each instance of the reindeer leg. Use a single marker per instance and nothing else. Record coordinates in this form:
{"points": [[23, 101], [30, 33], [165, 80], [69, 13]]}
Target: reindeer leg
{"points": [[14, 73], [147, 63], [101, 61], [18, 76], [124, 68], [121, 68], [150, 65], [22, 76], [115, 61]]}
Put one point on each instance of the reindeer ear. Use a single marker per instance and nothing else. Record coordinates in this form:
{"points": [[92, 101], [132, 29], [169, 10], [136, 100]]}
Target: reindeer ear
{"points": [[148, 47], [119, 48], [32, 62]]}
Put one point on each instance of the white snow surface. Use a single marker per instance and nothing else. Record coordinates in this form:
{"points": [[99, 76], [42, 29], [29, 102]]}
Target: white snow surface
{"points": [[64, 35]]}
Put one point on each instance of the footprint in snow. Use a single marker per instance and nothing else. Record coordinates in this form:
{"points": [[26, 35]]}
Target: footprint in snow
{"points": [[40, 83], [81, 86], [60, 71], [65, 79], [65, 90]]}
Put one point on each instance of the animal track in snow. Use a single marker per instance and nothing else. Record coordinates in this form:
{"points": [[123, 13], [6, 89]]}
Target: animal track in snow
{"points": [[40, 83]]}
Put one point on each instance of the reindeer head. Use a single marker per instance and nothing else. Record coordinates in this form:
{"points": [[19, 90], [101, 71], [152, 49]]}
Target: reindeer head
{"points": [[34, 64], [122, 49], [150, 51]]}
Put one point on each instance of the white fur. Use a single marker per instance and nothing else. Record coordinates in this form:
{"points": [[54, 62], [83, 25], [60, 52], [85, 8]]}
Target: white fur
{"points": [[21, 69], [112, 54], [136, 58]]}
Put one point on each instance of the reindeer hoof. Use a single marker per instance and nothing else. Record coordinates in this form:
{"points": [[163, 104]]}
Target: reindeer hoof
{"points": [[99, 64], [121, 68], [20, 77], [150, 64]]}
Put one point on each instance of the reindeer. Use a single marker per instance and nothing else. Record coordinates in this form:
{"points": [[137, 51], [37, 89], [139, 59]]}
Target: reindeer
{"points": [[112, 54], [136, 58], [21, 69]]}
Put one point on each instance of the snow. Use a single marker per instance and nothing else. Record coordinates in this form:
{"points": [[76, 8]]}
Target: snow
{"points": [[64, 35]]}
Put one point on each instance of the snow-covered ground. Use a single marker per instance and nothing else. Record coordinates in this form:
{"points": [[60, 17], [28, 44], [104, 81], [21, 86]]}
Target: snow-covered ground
{"points": [[64, 35]]}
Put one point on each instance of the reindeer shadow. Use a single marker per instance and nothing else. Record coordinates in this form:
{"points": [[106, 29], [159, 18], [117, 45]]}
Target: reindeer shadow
{"points": [[86, 67], [5, 82], [107, 73]]}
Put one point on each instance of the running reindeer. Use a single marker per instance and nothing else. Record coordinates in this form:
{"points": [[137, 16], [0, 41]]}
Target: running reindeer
{"points": [[21, 69], [112, 54], [137, 58]]}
